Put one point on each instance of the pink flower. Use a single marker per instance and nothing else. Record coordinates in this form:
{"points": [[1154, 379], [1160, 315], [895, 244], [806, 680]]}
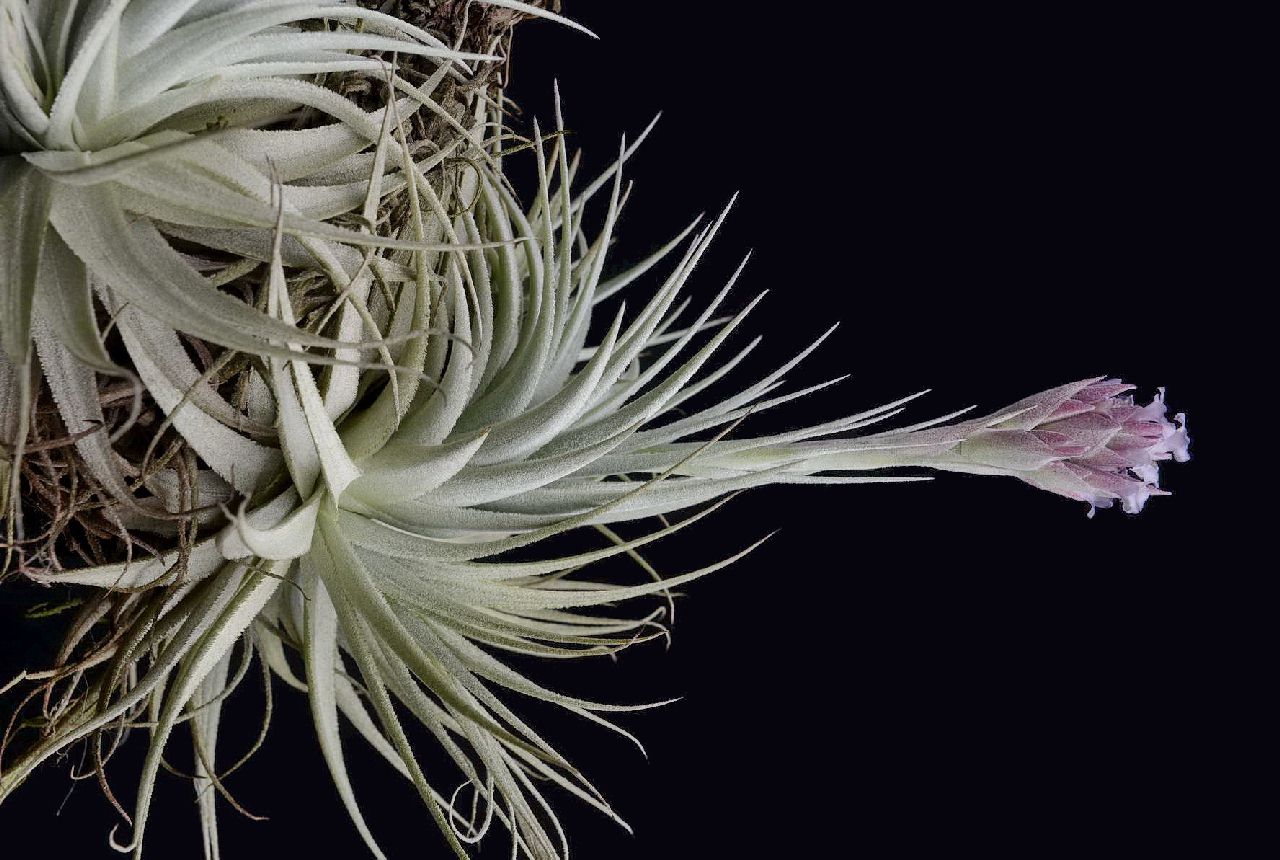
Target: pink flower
{"points": [[1087, 441]]}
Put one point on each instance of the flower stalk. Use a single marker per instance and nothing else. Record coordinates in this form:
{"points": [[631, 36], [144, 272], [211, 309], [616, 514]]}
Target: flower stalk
{"points": [[1087, 441]]}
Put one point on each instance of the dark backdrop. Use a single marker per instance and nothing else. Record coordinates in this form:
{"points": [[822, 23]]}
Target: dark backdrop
{"points": [[992, 207]]}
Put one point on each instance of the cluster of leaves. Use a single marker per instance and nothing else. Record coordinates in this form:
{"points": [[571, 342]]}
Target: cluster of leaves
{"points": [[376, 367]]}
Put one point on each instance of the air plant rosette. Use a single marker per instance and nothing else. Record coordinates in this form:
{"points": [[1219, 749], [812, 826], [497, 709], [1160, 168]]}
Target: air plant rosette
{"points": [[293, 373]]}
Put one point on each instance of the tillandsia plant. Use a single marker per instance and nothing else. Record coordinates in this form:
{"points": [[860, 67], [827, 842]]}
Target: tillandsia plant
{"points": [[291, 372]]}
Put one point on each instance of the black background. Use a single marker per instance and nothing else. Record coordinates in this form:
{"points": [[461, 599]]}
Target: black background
{"points": [[992, 207]]}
